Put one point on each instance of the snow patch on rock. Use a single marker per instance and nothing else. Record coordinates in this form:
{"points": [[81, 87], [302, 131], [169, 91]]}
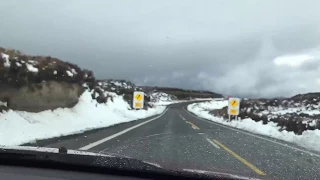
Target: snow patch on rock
{"points": [[31, 68], [5, 57]]}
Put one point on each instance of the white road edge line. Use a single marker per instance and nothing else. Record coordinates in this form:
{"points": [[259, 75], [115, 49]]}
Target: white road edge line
{"points": [[91, 145], [213, 144], [253, 135]]}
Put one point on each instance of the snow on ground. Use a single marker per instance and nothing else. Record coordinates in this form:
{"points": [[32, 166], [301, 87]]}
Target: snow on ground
{"points": [[69, 73], [24, 127], [297, 110], [5, 57], [162, 99], [282, 111], [308, 139], [209, 105], [31, 68], [121, 84], [161, 96]]}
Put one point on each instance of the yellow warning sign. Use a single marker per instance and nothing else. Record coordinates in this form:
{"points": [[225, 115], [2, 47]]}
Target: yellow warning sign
{"points": [[138, 100], [138, 105], [138, 97], [234, 103], [234, 106], [233, 111]]}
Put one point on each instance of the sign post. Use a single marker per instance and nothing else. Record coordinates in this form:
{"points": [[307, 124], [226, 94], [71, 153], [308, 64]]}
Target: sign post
{"points": [[138, 100], [233, 107]]}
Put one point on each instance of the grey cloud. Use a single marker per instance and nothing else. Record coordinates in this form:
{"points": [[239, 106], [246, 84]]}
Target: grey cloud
{"points": [[297, 38], [223, 46], [311, 65]]}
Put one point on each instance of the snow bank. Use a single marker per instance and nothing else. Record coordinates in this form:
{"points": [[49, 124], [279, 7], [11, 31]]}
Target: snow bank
{"points": [[297, 110], [6, 62], [308, 139], [24, 127]]}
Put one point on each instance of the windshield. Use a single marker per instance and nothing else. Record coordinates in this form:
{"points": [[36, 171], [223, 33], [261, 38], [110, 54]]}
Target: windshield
{"points": [[197, 86]]}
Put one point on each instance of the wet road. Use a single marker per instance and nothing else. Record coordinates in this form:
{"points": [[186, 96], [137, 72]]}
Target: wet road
{"points": [[177, 139]]}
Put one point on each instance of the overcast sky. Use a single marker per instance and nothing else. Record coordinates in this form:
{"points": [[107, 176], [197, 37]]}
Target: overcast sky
{"points": [[249, 48]]}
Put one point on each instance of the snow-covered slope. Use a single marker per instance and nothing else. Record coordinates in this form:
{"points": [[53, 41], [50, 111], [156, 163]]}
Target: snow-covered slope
{"points": [[308, 138], [161, 96], [163, 99], [24, 127], [115, 85]]}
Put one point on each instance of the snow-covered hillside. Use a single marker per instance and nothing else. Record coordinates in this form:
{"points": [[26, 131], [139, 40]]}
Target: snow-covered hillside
{"points": [[308, 138], [163, 99], [115, 85], [24, 127], [160, 96], [19, 70]]}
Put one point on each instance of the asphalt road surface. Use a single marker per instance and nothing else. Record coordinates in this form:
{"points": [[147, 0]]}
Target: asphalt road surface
{"points": [[178, 139]]}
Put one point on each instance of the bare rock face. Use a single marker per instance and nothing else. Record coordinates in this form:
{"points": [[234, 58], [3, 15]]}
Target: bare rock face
{"points": [[38, 83], [41, 96]]}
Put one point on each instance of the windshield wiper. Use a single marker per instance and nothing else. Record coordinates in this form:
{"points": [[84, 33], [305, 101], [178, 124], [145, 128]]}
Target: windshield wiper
{"points": [[92, 162], [17, 156]]}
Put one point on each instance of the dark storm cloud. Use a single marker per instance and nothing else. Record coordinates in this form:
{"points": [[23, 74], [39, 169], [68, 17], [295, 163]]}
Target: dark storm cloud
{"points": [[223, 46]]}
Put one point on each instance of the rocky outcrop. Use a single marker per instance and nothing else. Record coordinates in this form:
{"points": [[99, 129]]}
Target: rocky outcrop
{"points": [[38, 83], [41, 96]]}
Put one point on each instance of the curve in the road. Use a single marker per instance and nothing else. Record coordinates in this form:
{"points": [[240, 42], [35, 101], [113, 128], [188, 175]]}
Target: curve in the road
{"points": [[177, 139]]}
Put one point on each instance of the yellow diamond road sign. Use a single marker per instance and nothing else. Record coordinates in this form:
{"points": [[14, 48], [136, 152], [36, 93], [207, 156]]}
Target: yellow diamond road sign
{"points": [[234, 103], [138, 100], [138, 97]]}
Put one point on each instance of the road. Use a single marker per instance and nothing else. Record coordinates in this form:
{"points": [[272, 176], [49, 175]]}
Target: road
{"points": [[177, 139]]}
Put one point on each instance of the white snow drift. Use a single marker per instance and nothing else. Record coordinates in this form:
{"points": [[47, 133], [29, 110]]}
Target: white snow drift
{"points": [[17, 127], [308, 139]]}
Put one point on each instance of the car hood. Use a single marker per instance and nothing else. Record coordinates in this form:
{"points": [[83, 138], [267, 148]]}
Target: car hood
{"points": [[52, 150], [106, 160]]}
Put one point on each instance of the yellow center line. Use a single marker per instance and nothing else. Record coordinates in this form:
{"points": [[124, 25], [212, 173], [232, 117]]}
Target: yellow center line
{"points": [[255, 169], [193, 125]]}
